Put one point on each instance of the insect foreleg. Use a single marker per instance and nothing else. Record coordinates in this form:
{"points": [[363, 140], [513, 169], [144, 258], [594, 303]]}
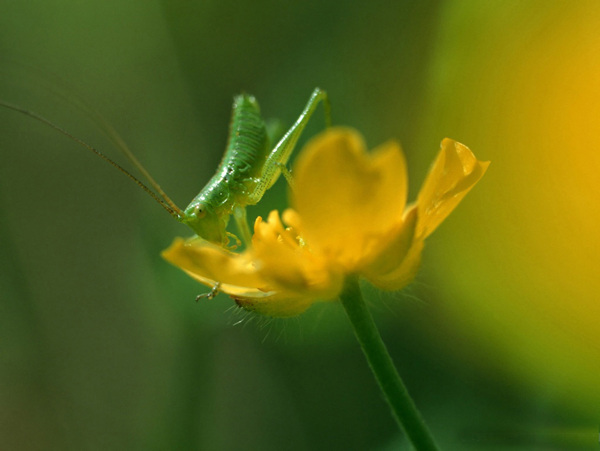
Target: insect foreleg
{"points": [[239, 215], [237, 244], [282, 151], [211, 294]]}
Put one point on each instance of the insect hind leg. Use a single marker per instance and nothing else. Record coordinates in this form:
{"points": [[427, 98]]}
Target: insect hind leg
{"points": [[287, 174], [280, 154]]}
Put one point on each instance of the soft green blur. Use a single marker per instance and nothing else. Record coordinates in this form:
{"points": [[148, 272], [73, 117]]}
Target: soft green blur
{"points": [[101, 343]]}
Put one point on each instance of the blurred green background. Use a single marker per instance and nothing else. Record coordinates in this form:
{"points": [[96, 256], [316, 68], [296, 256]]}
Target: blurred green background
{"points": [[101, 343]]}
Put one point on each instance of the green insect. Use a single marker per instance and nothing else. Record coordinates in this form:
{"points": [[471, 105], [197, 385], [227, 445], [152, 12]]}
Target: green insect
{"points": [[250, 166]]}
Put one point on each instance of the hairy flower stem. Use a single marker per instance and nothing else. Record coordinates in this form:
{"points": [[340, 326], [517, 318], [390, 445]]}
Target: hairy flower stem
{"points": [[381, 364]]}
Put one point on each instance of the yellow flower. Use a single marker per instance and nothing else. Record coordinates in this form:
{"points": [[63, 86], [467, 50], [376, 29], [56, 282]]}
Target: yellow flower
{"points": [[348, 216]]}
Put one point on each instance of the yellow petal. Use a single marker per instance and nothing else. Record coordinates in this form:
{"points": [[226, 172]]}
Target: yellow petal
{"points": [[395, 248], [403, 274], [209, 264], [239, 279], [454, 172], [347, 198], [278, 276]]}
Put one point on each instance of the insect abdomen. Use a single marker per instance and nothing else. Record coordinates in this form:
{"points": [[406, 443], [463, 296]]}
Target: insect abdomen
{"points": [[247, 146], [242, 162]]}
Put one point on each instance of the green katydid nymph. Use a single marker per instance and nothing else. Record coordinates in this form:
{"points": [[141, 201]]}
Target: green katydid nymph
{"points": [[250, 166]]}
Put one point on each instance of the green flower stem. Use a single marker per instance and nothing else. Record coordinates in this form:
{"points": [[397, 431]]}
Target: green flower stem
{"points": [[383, 368]]}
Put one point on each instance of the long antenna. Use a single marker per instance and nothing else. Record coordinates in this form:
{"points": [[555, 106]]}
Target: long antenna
{"points": [[122, 146], [99, 120], [167, 204]]}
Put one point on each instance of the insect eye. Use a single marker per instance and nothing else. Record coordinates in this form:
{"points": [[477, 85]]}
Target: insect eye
{"points": [[199, 212]]}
